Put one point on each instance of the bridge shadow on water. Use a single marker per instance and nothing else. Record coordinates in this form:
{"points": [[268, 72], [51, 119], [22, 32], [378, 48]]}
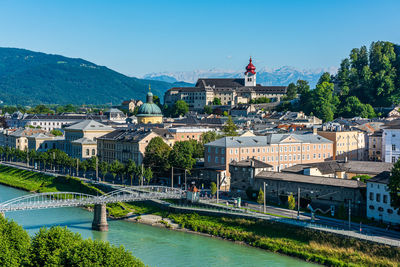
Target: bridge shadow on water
{"points": [[70, 224]]}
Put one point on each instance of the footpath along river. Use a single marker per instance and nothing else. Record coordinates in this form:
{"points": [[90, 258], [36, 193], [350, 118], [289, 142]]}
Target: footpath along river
{"points": [[154, 246]]}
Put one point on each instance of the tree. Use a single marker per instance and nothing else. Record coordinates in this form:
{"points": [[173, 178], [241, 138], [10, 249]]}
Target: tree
{"points": [[207, 109], [84, 165], [352, 107], [213, 188], [14, 243], [291, 202], [394, 185], [156, 100], [325, 77], [230, 128], [56, 133], [180, 108], [116, 168], [181, 155], [156, 155], [131, 169], [103, 167], [216, 101], [208, 137], [148, 175], [291, 92], [260, 197]]}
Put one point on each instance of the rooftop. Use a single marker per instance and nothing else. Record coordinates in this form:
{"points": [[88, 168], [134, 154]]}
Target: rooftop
{"points": [[89, 125], [381, 178], [299, 178], [251, 163], [254, 141]]}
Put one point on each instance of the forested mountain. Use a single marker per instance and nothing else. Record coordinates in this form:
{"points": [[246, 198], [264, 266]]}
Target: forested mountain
{"points": [[28, 78], [366, 79]]}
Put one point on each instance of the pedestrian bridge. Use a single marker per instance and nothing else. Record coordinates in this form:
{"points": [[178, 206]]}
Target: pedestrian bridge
{"points": [[72, 199]]}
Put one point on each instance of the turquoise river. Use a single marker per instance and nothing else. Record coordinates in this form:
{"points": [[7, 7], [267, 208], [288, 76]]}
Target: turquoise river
{"points": [[154, 246]]}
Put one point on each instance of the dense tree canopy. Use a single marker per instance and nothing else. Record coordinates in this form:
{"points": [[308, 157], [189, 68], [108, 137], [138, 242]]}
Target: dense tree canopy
{"points": [[57, 247], [394, 185], [156, 155], [230, 128]]}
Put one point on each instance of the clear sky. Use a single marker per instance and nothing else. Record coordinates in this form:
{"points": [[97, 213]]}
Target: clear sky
{"points": [[138, 37]]}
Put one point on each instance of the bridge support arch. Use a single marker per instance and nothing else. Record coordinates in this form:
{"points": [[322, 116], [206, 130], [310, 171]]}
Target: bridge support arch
{"points": [[100, 218]]}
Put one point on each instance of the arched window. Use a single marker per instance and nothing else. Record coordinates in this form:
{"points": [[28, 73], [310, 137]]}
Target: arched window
{"points": [[87, 152], [93, 152]]}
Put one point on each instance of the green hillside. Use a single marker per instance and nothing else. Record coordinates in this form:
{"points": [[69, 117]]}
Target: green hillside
{"points": [[29, 78]]}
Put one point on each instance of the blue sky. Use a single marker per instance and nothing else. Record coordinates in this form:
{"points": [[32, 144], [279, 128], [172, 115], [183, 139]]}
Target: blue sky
{"points": [[138, 37]]}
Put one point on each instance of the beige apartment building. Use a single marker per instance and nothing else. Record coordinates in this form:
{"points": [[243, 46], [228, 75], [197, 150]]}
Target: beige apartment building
{"points": [[172, 135], [43, 142], [375, 146], [347, 144], [19, 138], [278, 150], [80, 138], [123, 145]]}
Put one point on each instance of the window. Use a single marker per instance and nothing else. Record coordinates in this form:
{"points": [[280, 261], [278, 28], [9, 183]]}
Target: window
{"points": [[378, 197], [263, 159], [380, 209], [393, 159], [236, 151], [231, 151], [314, 156], [390, 211], [285, 149], [290, 149], [216, 160], [222, 151], [294, 157], [216, 150], [371, 196], [222, 160], [371, 207], [285, 158], [393, 147], [93, 152], [385, 198], [209, 149], [294, 149], [290, 157], [87, 152]]}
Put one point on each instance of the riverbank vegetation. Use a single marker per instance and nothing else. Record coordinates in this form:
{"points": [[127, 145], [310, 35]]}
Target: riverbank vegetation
{"points": [[57, 247], [310, 245]]}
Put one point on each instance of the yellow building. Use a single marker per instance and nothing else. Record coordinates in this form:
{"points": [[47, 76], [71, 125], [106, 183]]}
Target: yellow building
{"points": [[149, 112], [347, 144]]}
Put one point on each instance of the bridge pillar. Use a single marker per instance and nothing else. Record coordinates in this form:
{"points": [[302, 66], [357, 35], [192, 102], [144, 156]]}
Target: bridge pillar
{"points": [[100, 218]]}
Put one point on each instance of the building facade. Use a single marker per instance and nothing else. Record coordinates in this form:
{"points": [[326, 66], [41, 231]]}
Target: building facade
{"points": [[375, 146], [278, 150], [124, 145], [80, 138], [378, 200], [347, 144], [229, 91], [391, 143]]}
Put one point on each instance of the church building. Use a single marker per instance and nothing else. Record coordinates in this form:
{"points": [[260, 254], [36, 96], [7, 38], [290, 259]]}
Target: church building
{"points": [[231, 91]]}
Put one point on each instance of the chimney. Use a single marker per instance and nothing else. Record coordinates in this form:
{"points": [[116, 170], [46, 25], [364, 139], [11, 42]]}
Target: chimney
{"points": [[315, 130]]}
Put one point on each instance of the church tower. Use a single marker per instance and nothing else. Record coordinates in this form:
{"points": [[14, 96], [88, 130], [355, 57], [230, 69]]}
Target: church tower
{"points": [[250, 75]]}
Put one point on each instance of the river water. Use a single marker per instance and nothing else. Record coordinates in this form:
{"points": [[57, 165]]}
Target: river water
{"points": [[154, 246]]}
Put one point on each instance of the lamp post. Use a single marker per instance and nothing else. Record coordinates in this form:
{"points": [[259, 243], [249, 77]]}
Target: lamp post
{"points": [[298, 203]]}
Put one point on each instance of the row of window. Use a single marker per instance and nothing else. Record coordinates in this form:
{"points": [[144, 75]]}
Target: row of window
{"points": [[378, 197], [390, 211], [268, 149]]}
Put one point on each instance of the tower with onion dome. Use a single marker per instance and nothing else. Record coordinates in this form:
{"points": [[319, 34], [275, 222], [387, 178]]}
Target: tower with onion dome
{"points": [[250, 74]]}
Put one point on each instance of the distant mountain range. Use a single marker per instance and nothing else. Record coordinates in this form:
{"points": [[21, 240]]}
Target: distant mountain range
{"points": [[279, 76], [30, 78]]}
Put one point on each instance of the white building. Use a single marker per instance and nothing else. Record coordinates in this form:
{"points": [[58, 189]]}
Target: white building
{"points": [[391, 143], [378, 200]]}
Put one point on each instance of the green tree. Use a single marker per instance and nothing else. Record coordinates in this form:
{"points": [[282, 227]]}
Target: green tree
{"points": [[230, 128], [260, 197], [394, 185], [325, 77], [352, 107], [156, 155], [208, 137], [207, 109], [56, 132], [216, 101], [181, 155], [116, 168], [103, 168], [213, 188], [148, 175], [14, 243], [180, 108], [131, 169], [291, 92], [291, 202]]}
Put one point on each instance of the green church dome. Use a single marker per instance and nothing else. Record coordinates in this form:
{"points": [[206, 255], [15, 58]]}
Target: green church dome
{"points": [[149, 108]]}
